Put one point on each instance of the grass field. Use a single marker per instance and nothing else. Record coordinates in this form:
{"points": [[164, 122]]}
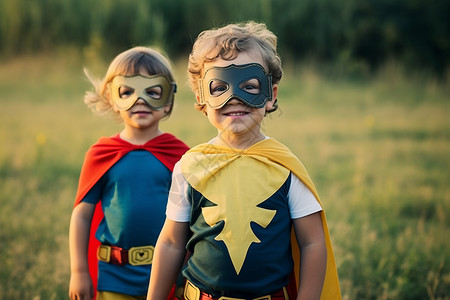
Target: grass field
{"points": [[378, 151]]}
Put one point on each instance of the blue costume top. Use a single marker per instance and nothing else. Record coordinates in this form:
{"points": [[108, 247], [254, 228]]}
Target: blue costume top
{"points": [[133, 196]]}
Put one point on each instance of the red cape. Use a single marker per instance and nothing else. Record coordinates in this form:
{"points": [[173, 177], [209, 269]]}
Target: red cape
{"points": [[102, 156]]}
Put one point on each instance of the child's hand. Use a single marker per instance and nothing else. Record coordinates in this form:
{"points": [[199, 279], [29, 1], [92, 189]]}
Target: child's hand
{"points": [[81, 287]]}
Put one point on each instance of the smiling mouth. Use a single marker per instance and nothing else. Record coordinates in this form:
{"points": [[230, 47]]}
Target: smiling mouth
{"points": [[236, 114], [141, 112]]}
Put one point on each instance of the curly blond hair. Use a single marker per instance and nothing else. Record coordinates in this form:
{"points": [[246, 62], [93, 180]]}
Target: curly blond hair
{"points": [[226, 43], [127, 63]]}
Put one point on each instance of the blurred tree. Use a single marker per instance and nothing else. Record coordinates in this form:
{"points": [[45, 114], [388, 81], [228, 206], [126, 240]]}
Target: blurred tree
{"points": [[347, 33]]}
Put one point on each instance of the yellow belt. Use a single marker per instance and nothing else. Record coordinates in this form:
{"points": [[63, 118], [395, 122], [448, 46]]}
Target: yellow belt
{"points": [[191, 292], [135, 256]]}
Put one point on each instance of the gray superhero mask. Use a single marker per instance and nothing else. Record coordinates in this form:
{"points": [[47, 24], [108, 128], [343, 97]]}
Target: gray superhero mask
{"points": [[233, 80]]}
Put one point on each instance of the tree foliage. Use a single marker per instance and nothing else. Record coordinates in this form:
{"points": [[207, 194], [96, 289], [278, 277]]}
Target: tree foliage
{"points": [[368, 32]]}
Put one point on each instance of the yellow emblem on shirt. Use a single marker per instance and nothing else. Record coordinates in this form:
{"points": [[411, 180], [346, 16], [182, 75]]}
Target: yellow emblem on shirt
{"points": [[237, 184]]}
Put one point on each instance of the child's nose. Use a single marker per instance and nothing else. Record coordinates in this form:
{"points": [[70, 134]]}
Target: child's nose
{"points": [[140, 101], [234, 101]]}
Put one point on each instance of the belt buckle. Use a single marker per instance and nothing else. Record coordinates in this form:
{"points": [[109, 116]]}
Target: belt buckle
{"points": [[191, 292], [266, 297], [140, 255], [104, 253]]}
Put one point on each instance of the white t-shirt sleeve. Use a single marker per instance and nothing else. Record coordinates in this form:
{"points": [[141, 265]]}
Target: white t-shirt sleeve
{"points": [[301, 200], [178, 206]]}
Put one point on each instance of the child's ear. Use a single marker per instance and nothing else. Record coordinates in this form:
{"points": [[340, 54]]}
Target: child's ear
{"points": [[200, 106], [270, 104], [274, 91], [167, 108], [108, 97], [114, 106]]}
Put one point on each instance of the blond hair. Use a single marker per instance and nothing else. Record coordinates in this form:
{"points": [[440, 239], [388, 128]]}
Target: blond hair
{"points": [[226, 43], [127, 63]]}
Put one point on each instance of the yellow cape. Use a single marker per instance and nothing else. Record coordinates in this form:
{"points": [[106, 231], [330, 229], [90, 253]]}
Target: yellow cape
{"points": [[205, 160]]}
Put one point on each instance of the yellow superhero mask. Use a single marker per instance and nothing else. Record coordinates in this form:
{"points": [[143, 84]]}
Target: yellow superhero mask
{"points": [[157, 91]]}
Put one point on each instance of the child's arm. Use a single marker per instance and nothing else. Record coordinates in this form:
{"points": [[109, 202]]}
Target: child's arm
{"points": [[80, 281], [168, 259], [313, 256]]}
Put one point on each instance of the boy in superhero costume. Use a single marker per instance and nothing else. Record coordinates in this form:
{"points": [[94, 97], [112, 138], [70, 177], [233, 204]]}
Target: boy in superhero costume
{"points": [[236, 201], [124, 181]]}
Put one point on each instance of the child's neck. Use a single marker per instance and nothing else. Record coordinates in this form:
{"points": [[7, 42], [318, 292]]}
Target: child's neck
{"points": [[137, 136], [237, 141]]}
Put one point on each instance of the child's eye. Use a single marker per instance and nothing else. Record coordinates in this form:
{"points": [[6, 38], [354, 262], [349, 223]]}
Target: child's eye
{"points": [[125, 92], [217, 87], [155, 92], [251, 86]]}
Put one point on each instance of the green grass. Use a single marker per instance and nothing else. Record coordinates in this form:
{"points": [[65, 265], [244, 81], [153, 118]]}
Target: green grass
{"points": [[377, 150]]}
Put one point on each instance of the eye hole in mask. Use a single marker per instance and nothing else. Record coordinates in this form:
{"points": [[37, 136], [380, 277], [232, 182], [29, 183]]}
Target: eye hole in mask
{"points": [[248, 83], [218, 87], [126, 92], [157, 91]]}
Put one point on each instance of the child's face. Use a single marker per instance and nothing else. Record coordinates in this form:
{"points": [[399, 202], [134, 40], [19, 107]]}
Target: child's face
{"points": [[235, 117], [140, 114]]}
